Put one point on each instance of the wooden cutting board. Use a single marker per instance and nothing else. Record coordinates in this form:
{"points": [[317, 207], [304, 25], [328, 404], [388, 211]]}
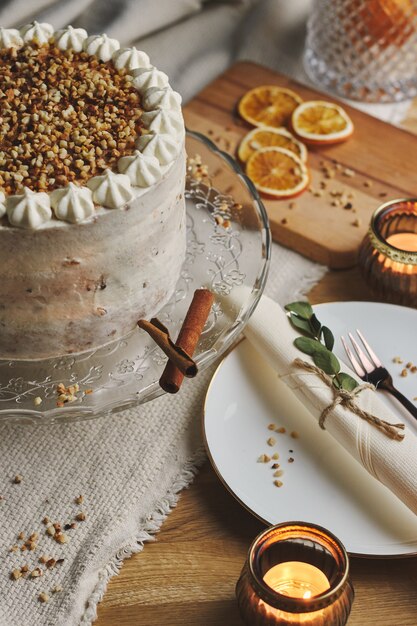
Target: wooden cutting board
{"points": [[382, 157]]}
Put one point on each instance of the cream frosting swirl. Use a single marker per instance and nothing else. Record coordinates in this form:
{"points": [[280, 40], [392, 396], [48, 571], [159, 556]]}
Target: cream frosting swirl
{"points": [[161, 145], [72, 203], [10, 38], [2, 203], [38, 32], [143, 170], [161, 98], [164, 121], [146, 77], [111, 190], [70, 37], [130, 59], [30, 209], [101, 46]]}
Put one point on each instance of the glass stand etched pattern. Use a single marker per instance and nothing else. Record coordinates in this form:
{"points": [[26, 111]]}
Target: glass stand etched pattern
{"points": [[228, 245], [363, 49]]}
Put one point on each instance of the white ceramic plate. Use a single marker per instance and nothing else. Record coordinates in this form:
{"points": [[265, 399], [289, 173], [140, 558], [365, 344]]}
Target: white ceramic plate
{"points": [[324, 484]]}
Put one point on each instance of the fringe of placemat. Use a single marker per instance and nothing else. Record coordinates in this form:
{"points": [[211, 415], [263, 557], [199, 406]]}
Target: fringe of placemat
{"points": [[307, 282], [147, 532]]}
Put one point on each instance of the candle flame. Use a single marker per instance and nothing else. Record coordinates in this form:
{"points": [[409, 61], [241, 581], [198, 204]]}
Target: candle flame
{"points": [[307, 595]]}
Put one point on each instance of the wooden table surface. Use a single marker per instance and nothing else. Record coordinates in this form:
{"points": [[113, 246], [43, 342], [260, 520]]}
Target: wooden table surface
{"points": [[188, 575]]}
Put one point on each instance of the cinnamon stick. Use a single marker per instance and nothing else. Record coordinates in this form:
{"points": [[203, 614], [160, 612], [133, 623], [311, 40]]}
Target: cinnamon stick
{"points": [[176, 354], [197, 314]]}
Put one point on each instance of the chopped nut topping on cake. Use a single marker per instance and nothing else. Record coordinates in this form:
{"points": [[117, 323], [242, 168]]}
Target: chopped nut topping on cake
{"points": [[65, 116]]}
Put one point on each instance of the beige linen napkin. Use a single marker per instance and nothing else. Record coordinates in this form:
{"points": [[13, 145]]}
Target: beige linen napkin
{"points": [[393, 463]]}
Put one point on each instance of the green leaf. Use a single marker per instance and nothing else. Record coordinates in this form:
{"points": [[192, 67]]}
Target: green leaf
{"points": [[347, 382], [307, 345], [315, 325], [328, 337], [302, 309], [326, 361], [301, 324]]}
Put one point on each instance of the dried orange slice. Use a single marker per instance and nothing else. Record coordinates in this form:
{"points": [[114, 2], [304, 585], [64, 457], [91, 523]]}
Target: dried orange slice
{"points": [[268, 105], [277, 172], [320, 122], [268, 137]]}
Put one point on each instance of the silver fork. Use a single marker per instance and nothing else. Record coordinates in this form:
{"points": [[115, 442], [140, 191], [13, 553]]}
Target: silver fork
{"points": [[371, 370]]}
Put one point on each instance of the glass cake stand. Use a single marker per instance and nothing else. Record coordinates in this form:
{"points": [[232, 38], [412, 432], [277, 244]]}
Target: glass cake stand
{"points": [[228, 245]]}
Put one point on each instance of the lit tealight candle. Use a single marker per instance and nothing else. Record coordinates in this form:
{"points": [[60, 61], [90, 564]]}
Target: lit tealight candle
{"points": [[388, 253], [403, 241], [297, 579], [295, 573]]}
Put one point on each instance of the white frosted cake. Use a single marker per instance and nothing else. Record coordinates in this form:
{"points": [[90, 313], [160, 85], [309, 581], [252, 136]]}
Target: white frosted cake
{"points": [[92, 172]]}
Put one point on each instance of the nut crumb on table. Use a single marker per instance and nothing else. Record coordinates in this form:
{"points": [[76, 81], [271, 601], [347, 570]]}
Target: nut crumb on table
{"points": [[36, 573], [264, 458], [15, 574]]}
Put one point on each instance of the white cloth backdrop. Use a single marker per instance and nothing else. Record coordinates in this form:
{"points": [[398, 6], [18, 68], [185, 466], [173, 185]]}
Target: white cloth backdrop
{"points": [[192, 40], [130, 467]]}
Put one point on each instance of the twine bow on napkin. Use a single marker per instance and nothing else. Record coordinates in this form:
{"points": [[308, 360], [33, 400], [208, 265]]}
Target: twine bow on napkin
{"points": [[347, 399]]}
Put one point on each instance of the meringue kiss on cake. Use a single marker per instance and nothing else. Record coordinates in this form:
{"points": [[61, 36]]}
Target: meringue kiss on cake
{"points": [[92, 175]]}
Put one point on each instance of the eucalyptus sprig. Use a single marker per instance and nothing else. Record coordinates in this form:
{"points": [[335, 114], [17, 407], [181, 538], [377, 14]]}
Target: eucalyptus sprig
{"points": [[318, 342]]}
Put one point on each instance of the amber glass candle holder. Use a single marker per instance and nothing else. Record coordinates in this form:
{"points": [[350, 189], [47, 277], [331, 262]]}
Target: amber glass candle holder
{"points": [[295, 573], [388, 254]]}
